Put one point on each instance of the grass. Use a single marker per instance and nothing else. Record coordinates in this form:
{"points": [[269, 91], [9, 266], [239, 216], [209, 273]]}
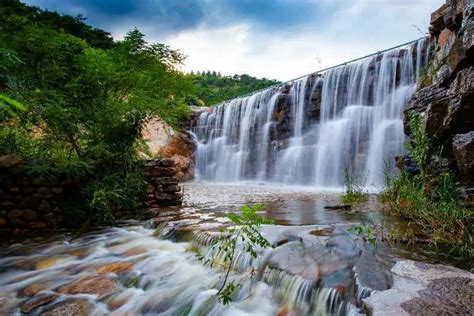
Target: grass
{"points": [[354, 189], [431, 199], [353, 198]]}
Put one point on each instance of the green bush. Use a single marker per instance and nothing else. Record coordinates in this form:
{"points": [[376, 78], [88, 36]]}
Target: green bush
{"points": [[114, 193]]}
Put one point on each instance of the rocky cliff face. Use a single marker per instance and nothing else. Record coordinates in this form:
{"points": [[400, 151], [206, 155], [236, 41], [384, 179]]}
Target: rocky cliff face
{"points": [[445, 95], [164, 142]]}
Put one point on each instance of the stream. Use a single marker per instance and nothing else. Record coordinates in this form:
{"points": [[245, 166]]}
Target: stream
{"points": [[316, 266]]}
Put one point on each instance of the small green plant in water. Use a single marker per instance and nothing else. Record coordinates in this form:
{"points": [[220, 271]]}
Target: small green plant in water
{"points": [[354, 188], [245, 235], [366, 232]]}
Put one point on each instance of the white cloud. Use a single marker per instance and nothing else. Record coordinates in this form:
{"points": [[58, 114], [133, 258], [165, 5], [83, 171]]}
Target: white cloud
{"points": [[357, 28], [279, 39]]}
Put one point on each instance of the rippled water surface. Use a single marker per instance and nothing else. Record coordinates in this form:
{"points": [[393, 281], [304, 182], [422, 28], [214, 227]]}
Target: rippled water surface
{"points": [[285, 204]]}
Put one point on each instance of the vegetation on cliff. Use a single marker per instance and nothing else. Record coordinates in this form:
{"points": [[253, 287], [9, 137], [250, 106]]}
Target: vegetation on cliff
{"points": [[430, 197]]}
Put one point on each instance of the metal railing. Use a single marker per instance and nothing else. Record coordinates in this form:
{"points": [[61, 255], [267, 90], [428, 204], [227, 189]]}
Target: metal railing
{"points": [[324, 70]]}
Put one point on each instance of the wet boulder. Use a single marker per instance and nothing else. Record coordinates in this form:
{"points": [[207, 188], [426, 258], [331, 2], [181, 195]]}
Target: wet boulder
{"points": [[37, 301], [95, 285], [424, 289], [115, 267], [345, 246], [35, 288], [372, 272], [327, 265], [76, 307]]}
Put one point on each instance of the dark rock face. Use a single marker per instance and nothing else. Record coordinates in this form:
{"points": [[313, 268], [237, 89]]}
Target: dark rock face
{"points": [[463, 147], [447, 105], [406, 163]]}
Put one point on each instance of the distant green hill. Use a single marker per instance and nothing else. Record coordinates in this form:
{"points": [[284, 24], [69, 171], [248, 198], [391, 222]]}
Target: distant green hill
{"points": [[212, 88]]}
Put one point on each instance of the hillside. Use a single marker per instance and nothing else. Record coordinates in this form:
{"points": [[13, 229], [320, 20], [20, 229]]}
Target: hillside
{"points": [[213, 88]]}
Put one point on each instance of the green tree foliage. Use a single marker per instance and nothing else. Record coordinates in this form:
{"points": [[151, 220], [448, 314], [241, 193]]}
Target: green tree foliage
{"points": [[81, 100], [73, 101], [212, 88], [22, 15]]}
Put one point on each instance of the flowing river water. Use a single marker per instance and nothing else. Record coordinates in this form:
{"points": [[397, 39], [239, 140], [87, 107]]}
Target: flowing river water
{"points": [[316, 266]]}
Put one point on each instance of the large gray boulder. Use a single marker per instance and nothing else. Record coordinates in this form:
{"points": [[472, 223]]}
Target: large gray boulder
{"points": [[424, 289]]}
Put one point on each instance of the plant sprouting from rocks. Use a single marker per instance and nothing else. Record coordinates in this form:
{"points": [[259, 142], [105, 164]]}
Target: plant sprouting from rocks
{"points": [[354, 188], [225, 294], [244, 235], [366, 232], [419, 144]]}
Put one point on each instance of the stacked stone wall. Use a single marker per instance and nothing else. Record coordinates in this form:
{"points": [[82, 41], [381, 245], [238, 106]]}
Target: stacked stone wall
{"points": [[163, 185], [29, 203]]}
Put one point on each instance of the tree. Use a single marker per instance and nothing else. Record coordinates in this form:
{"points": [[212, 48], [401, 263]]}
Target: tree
{"points": [[87, 103], [212, 88]]}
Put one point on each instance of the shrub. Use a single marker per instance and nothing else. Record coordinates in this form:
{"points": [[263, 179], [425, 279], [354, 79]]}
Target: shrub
{"points": [[88, 98]]}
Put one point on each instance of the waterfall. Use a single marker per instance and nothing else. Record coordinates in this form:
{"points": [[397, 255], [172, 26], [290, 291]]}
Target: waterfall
{"points": [[309, 131]]}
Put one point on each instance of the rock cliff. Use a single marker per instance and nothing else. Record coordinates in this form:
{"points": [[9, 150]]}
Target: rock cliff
{"points": [[164, 142], [445, 94]]}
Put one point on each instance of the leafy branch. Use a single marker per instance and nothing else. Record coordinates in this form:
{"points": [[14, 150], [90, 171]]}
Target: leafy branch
{"points": [[244, 235]]}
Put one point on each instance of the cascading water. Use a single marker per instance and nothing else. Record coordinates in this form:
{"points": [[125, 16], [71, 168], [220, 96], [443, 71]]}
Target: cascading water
{"points": [[313, 129]]}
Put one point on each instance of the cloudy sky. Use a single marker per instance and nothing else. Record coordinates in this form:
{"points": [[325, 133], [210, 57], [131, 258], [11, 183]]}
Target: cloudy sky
{"points": [[280, 39]]}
